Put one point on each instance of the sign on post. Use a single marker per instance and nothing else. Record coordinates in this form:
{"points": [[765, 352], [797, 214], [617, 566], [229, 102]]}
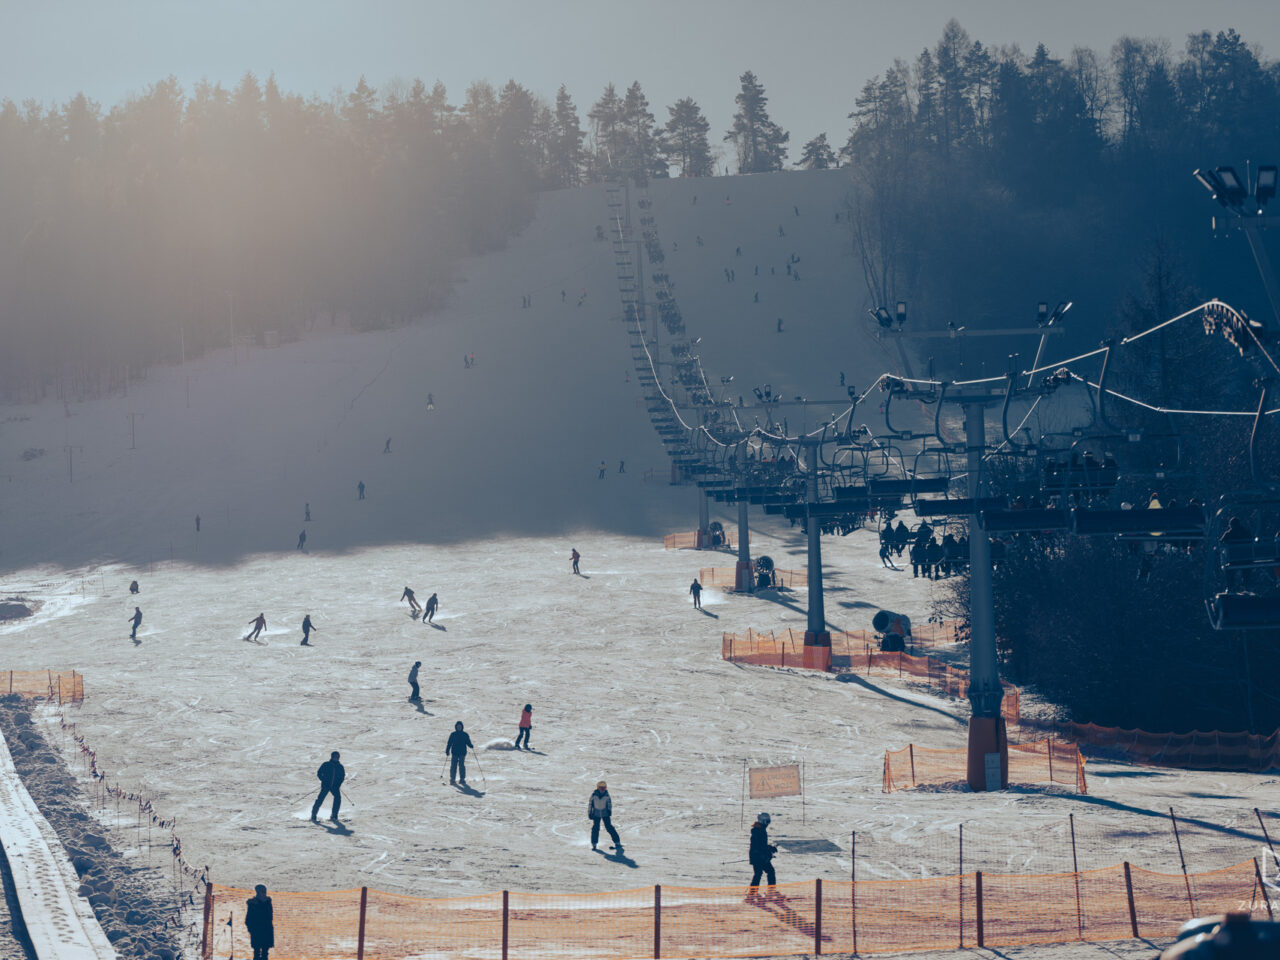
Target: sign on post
{"points": [[766, 782]]}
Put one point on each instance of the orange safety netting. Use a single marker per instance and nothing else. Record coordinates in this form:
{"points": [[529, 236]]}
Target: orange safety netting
{"points": [[853, 652], [689, 541], [62, 686], [1197, 750], [1052, 761], [725, 578], [866, 916]]}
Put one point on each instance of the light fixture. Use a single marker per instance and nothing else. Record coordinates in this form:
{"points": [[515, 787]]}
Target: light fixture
{"points": [[1058, 311], [1211, 182], [1042, 313], [1265, 188], [902, 312], [759, 395], [882, 317], [1234, 189]]}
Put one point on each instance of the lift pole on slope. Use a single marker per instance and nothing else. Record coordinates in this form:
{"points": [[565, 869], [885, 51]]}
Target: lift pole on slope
{"points": [[817, 639]]}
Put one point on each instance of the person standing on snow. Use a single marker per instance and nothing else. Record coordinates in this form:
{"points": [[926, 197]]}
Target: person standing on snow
{"points": [[415, 696], [600, 810], [302, 540], [331, 774], [457, 746], [259, 920], [526, 726], [414, 607], [695, 588], [760, 855], [433, 603], [259, 623], [360, 490], [306, 631], [136, 619], [575, 556]]}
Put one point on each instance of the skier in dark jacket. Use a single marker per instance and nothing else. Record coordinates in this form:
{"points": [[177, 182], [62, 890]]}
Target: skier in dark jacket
{"points": [[457, 746], [137, 622], [306, 630], [414, 607], [760, 855], [259, 920], [331, 774], [433, 604], [600, 809], [415, 696]]}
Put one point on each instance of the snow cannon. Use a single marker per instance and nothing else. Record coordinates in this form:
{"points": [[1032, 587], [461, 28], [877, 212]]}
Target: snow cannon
{"points": [[716, 532], [764, 573], [894, 629]]}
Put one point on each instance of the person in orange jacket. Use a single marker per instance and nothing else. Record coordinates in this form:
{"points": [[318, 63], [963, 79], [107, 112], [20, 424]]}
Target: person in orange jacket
{"points": [[526, 726]]}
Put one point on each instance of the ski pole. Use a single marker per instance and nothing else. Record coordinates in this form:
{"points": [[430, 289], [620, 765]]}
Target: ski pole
{"points": [[481, 769]]}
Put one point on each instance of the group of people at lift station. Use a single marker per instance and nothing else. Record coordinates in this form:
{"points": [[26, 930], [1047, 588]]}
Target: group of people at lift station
{"points": [[929, 557]]}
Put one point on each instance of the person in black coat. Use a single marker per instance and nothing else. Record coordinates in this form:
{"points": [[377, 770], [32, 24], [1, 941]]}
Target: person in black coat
{"points": [[457, 746], [331, 774], [760, 855], [260, 922]]}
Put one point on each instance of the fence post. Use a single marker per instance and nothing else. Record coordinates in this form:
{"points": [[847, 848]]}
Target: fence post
{"points": [[657, 921], [1262, 888], [853, 887], [911, 752], [1133, 914], [1185, 879], [206, 934], [364, 902], [817, 917], [960, 879], [506, 900], [1051, 759], [977, 879], [1075, 869]]}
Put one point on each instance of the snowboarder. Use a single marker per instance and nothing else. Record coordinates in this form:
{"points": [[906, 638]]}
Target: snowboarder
{"points": [[575, 556], [415, 696], [360, 490], [387, 448], [302, 540], [603, 470], [457, 746], [133, 587], [431, 402], [760, 855], [331, 774], [306, 512], [306, 631], [695, 588], [433, 602], [259, 623], [259, 921], [526, 726], [136, 619], [414, 607], [600, 809]]}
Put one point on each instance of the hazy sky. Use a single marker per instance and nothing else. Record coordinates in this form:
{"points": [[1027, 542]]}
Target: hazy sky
{"points": [[812, 55]]}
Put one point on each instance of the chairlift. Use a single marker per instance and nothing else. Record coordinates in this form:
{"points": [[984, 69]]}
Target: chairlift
{"points": [[1241, 589], [1176, 523]]}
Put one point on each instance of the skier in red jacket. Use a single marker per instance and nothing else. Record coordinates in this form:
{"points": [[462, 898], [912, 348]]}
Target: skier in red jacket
{"points": [[526, 726]]}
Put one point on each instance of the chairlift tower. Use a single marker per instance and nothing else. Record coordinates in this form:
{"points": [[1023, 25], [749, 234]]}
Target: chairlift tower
{"points": [[817, 639]]}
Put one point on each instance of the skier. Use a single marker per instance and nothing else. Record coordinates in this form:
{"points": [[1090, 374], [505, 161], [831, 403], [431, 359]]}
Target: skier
{"points": [[331, 774], [562, 296], [603, 470], [622, 466], [695, 588], [526, 726], [431, 402], [414, 607], [259, 921], [302, 540], [466, 362], [306, 512], [779, 324], [433, 602], [259, 623], [457, 746], [600, 808], [197, 523], [756, 297], [306, 631], [387, 448], [760, 856], [414, 697], [136, 619], [133, 587], [360, 490], [575, 556]]}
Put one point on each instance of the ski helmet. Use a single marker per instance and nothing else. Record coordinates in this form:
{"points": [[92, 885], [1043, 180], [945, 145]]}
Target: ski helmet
{"points": [[764, 819]]}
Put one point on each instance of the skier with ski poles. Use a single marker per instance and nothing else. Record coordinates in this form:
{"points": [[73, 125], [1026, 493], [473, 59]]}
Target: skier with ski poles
{"points": [[459, 742]]}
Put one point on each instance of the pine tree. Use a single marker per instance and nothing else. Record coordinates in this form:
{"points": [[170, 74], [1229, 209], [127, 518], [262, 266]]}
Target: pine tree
{"points": [[641, 146], [761, 143], [686, 139], [606, 123], [817, 155], [565, 146]]}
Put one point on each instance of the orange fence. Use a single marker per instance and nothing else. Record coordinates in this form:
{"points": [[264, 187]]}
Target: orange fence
{"points": [[61, 687], [1042, 761], [865, 916], [1197, 750], [725, 578], [689, 541], [852, 652]]}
